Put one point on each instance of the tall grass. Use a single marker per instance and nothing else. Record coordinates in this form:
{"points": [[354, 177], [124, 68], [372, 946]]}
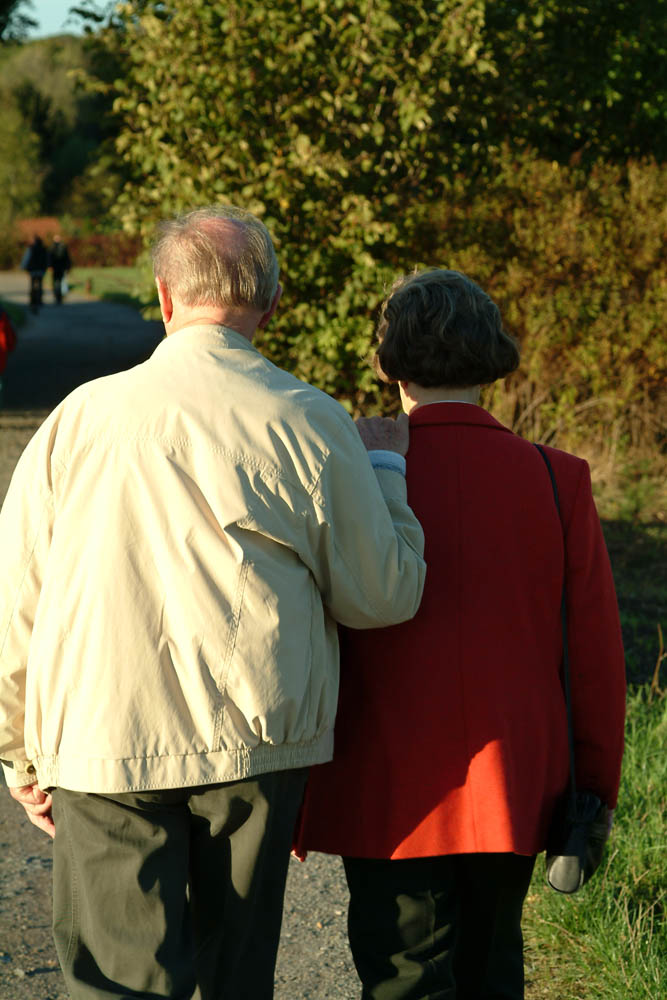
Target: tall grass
{"points": [[610, 940]]}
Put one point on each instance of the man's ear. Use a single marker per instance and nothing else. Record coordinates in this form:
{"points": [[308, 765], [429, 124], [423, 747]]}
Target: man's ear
{"points": [[166, 305], [272, 308]]}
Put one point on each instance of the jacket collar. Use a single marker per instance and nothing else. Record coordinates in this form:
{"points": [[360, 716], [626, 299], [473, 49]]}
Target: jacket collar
{"points": [[438, 414], [206, 334]]}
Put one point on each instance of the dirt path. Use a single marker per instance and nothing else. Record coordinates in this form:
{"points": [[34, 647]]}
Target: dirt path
{"points": [[58, 349]]}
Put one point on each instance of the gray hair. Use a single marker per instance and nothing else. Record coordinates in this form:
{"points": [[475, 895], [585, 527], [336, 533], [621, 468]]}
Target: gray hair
{"points": [[220, 255]]}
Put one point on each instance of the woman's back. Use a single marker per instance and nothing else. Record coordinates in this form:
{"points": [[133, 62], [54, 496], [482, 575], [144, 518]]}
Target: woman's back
{"points": [[451, 727], [451, 742]]}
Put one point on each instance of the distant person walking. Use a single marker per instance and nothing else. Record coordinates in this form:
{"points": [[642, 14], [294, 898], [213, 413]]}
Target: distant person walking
{"points": [[60, 263], [35, 262]]}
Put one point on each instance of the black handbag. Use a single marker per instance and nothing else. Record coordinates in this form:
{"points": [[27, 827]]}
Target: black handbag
{"points": [[580, 825]]}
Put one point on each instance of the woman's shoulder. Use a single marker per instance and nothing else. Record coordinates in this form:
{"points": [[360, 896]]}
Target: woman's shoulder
{"points": [[564, 462]]}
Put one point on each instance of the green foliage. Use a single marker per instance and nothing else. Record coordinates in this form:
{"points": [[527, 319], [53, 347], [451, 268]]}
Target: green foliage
{"points": [[324, 118], [377, 135], [638, 553], [15, 21], [39, 80], [20, 178], [94, 191], [43, 67], [95, 14], [582, 78], [575, 260]]}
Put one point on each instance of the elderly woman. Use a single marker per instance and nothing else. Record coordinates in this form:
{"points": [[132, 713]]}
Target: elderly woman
{"points": [[451, 738]]}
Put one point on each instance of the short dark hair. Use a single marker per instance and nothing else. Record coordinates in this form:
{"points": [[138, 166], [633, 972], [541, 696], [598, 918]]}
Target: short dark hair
{"points": [[438, 327]]}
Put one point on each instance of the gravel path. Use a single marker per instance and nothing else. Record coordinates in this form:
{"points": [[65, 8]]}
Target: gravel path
{"points": [[58, 349]]}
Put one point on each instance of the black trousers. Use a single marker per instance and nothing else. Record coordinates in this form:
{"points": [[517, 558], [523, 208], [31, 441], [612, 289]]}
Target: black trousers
{"points": [[36, 290], [58, 286], [444, 928], [156, 894]]}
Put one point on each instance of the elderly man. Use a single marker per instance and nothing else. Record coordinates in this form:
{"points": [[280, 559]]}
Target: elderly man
{"points": [[179, 541]]}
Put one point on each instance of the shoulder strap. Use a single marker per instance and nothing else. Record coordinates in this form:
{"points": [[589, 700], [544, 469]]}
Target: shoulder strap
{"points": [[566, 654]]}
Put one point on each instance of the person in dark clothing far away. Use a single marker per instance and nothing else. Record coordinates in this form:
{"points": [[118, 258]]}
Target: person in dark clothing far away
{"points": [[35, 261], [60, 263]]}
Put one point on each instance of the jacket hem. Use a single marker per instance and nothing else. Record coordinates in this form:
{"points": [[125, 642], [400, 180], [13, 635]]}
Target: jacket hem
{"points": [[136, 774]]}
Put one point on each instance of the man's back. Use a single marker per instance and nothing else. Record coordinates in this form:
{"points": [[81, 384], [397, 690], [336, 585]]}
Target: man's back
{"points": [[59, 258], [192, 548]]}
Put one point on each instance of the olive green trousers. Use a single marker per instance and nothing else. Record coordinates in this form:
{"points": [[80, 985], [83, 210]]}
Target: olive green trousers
{"points": [[173, 894]]}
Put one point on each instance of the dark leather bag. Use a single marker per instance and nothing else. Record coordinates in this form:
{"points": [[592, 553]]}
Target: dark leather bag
{"points": [[576, 840]]}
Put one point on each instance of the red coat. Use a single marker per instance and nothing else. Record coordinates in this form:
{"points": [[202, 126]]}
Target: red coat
{"points": [[451, 734]]}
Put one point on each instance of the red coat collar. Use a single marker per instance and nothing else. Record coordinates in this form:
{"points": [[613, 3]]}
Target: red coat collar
{"points": [[455, 413]]}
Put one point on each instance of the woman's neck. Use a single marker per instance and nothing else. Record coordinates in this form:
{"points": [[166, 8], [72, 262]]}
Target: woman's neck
{"points": [[413, 395]]}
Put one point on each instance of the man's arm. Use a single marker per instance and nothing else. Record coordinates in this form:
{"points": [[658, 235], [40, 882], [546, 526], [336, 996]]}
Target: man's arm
{"points": [[25, 530], [366, 552]]}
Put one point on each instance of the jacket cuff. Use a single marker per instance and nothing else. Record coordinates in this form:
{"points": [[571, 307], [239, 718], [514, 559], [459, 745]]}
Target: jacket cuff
{"points": [[17, 775], [381, 459]]}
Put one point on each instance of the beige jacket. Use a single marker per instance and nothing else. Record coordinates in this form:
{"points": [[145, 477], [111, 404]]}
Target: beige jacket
{"points": [[178, 542]]}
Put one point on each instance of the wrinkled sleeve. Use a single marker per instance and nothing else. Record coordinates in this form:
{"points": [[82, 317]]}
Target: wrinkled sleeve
{"points": [[597, 662], [367, 546], [26, 523]]}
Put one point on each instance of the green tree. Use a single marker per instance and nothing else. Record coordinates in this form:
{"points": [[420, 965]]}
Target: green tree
{"points": [[582, 78], [328, 118], [96, 14], [341, 120], [39, 79], [376, 135], [20, 179], [14, 23]]}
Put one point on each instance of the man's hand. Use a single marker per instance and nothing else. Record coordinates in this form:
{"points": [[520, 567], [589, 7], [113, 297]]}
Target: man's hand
{"points": [[384, 433], [37, 804]]}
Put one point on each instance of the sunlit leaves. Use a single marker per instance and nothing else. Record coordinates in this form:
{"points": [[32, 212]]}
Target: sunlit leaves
{"points": [[375, 135]]}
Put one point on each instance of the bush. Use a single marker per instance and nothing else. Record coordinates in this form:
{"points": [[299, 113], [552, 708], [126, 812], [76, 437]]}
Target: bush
{"points": [[575, 261], [104, 249], [11, 250]]}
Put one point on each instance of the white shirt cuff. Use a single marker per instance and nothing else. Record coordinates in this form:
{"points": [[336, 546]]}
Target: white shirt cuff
{"points": [[381, 459]]}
